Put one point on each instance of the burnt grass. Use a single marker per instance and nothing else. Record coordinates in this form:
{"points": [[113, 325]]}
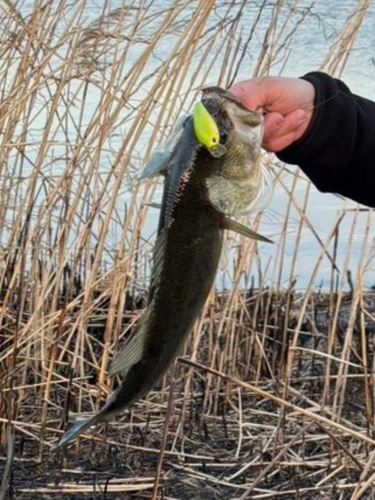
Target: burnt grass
{"points": [[220, 437]]}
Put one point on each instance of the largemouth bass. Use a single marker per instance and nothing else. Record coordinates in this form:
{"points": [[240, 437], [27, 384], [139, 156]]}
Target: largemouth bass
{"points": [[210, 172]]}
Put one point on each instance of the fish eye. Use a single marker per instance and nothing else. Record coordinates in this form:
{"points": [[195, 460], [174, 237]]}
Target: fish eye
{"points": [[214, 140], [223, 136]]}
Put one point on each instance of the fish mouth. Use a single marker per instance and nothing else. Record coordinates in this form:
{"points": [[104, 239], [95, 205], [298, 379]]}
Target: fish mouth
{"points": [[222, 95], [230, 113]]}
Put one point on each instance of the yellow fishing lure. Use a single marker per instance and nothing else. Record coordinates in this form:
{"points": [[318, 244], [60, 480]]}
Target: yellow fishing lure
{"points": [[206, 130]]}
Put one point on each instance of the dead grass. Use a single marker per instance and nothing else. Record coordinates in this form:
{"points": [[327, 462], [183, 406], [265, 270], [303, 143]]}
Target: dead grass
{"points": [[274, 396]]}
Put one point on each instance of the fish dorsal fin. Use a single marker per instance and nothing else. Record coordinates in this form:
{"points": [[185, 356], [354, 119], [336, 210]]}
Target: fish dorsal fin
{"points": [[182, 161], [132, 351], [158, 257], [233, 225]]}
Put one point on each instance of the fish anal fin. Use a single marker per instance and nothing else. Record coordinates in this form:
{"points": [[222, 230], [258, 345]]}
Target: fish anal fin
{"points": [[237, 227]]}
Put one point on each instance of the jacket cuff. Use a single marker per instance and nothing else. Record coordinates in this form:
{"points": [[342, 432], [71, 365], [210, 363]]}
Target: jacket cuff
{"points": [[333, 114]]}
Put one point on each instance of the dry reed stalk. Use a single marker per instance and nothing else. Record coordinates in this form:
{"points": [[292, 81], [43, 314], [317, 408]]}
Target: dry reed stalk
{"points": [[357, 293], [77, 99], [282, 402], [274, 461]]}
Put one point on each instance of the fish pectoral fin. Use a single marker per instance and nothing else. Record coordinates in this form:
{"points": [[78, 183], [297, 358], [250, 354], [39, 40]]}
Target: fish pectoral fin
{"points": [[233, 225], [132, 351], [224, 257]]}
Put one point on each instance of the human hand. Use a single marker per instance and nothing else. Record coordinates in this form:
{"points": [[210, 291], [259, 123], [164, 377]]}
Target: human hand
{"points": [[287, 103]]}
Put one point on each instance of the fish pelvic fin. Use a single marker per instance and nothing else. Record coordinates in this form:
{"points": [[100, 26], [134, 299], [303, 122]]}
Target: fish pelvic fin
{"points": [[237, 227], [132, 351], [152, 204], [79, 426]]}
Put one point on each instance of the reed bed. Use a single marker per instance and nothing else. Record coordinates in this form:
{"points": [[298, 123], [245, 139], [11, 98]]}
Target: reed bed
{"points": [[274, 394]]}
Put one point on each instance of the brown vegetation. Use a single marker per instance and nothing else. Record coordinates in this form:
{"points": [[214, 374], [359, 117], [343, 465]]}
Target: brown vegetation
{"points": [[274, 396]]}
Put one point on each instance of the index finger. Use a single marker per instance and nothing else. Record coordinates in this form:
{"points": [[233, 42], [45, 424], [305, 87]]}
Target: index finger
{"points": [[252, 93]]}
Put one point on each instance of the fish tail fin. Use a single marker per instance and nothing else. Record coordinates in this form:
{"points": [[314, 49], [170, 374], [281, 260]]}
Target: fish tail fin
{"points": [[79, 426], [129, 356]]}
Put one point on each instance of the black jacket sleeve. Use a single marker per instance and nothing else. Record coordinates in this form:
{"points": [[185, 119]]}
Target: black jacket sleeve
{"points": [[337, 152]]}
